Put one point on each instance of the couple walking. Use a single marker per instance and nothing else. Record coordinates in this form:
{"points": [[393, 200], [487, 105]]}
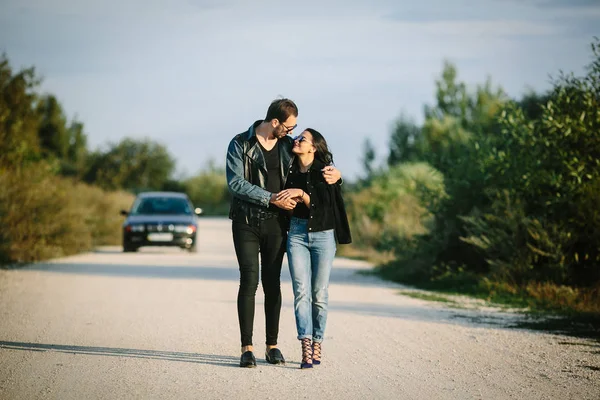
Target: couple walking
{"points": [[286, 197]]}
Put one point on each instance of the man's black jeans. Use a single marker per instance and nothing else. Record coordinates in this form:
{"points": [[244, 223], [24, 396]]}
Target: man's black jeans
{"points": [[269, 240]]}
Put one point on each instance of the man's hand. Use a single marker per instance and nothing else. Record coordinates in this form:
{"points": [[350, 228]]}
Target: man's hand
{"points": [[289, 193], [286, 204], [331, 174]]}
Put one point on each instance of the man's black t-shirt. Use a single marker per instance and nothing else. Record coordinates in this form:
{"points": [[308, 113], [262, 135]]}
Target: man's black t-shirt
{"points": [[273, 171]]}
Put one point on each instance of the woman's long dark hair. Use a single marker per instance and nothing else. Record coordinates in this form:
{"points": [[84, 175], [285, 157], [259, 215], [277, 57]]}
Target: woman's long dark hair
{"points": [[322, 154]]}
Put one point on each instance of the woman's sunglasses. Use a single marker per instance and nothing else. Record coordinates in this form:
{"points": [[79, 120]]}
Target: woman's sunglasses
{"points": [[301, 139]]}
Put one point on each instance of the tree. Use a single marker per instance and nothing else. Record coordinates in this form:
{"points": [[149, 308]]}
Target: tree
{"points": [[532, 104], [18, 120], [452, 98], [406, 142], [131, 164], [208, 190], [456, 128], [369, 158], [550, 167], [61, 142], [53, 132], [74, 163], [473, 110]]}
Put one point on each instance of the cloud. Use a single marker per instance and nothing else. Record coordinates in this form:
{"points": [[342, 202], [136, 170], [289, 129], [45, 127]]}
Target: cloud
{"points": [[194, 73], [475, 28], [568, 3], [114, 8]]}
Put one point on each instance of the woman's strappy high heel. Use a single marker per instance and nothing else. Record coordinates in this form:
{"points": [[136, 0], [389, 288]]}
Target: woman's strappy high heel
{"points": [[316, 348], [307, 354]]}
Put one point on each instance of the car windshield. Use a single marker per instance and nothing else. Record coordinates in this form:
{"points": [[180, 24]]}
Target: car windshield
{"points": [[161, 205]]}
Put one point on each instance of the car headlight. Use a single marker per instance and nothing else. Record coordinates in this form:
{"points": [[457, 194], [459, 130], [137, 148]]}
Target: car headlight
{"points": [[134, 228], [189, 229]]}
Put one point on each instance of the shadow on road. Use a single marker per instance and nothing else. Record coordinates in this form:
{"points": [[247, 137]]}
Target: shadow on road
{"points": [[212, 359], [140, 271], [344, 274], [490, 319], [144, 250], [339, 275]]}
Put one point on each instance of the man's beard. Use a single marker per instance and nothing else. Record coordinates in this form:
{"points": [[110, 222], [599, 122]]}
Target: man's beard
{"points": [[279, 132]]}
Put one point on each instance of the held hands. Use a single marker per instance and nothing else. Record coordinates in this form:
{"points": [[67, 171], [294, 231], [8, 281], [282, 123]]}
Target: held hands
{"points": [[331, 174], [290, 194], [286, 204]]}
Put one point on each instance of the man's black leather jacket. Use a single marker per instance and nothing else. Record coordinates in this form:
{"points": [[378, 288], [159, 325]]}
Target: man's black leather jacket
{"points": [[247, 176]]}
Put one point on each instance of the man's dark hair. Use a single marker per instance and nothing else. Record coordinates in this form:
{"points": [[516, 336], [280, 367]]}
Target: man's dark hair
{"points": [[281, 109]]}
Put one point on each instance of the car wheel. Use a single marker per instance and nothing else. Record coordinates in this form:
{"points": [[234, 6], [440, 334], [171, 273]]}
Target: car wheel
{"points": [[193, 248]]}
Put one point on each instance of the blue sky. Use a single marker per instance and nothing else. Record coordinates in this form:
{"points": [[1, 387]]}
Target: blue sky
{"points": [[191, 74]]}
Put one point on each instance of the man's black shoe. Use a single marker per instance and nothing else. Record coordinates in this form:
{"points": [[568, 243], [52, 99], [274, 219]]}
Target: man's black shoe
{"points": [[248, 360], [274, 356]]}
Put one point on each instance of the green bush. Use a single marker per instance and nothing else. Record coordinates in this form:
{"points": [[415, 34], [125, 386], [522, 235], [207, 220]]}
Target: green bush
{"points": [[208, 190], [37, 218], [549, 167], [45, 216], [392, 210], [519, 248], [522, 180], [102, 211]]}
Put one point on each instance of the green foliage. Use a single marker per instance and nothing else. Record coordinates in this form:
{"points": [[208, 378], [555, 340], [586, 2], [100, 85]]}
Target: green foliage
{"points": [[550, 165], [427, 297], [518, 248], [42, 214], [45, 216], [522, 180], [450, 139], [102, 211], [368, 159], [60, 142], [75, 162], [34, 128], [53, 132], [446, 142], [406, 142], [135, 165], [208, 190], [389, 212], [18, 120], [472, 110], [36, 223]]}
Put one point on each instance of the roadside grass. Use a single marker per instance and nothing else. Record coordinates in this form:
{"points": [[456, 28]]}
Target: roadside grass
{"points": [[582, 325], [46, 216], [427, 296], [546, 307], [367, 254]]}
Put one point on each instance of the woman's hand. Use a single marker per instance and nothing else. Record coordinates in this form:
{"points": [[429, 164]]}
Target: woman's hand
{"points": [[290, 193]]}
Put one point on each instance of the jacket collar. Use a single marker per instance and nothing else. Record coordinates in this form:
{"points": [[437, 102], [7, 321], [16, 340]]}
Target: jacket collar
{"points": [[317, 165], [255, 153], [251, 132]]}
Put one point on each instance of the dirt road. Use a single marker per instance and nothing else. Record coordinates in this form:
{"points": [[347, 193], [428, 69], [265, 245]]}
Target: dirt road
{"points": [[162, 324]]}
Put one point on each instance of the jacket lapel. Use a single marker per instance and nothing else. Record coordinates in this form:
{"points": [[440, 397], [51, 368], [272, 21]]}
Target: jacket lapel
{"points": [[253, 150], [256, 155]]}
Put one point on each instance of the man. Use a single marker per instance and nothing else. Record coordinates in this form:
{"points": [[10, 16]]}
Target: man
{"points": [[257, 165]]}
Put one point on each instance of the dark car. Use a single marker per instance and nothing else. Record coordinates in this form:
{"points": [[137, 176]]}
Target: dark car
{"points": [[160, 219]]}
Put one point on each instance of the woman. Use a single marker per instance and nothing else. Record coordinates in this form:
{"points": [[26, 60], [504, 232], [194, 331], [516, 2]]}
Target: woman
{"points": [[318, 218]]}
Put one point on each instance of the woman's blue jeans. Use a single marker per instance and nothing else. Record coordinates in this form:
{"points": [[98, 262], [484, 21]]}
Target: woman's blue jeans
{"points": [[310, 257]]}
